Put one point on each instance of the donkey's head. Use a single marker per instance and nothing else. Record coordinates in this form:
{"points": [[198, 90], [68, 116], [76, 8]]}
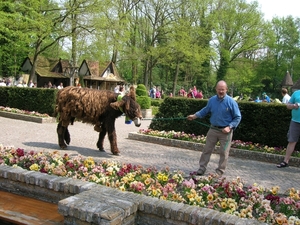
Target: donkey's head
{"points": [[129, 106]]}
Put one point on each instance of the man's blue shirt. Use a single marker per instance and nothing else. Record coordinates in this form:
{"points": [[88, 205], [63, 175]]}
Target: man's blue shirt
{"points": [[295, 98], [224, 112]]}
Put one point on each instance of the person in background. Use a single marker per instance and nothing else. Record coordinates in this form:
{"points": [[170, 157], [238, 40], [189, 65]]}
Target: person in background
{"points": [[199, 95], [153, 92], [286, 96], [2, 83], [20, 84], [158, 94], [190, 94], [182, 92], [8, 83], [121, 90], [117, 88], [195, 92], [31, 84], [294, 129], [257, 99], [225, 116], [49, 84], [60, 86], [266, 98]]}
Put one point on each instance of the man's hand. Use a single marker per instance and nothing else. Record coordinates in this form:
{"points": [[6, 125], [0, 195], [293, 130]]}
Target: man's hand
{"points": [[226, 130], [191, 117]]}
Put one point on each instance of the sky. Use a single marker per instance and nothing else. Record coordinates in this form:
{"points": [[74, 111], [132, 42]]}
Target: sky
{"points": [[280, 8]]}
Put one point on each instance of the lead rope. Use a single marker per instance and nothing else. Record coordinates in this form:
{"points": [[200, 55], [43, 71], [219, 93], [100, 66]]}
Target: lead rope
{"points": [[183, 118], [204, 124]]}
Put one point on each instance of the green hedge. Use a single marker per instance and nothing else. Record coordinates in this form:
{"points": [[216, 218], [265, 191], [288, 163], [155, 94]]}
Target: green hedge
{"points": [[41, 100], [142, 96]]}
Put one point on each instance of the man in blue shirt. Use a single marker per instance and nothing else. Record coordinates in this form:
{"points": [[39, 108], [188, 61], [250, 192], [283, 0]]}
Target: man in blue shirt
{"points": [[266, 98], [225, 117], [294, 129]]}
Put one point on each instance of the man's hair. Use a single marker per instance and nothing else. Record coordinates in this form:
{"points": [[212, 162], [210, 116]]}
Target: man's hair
{"points": [[284, 91]]}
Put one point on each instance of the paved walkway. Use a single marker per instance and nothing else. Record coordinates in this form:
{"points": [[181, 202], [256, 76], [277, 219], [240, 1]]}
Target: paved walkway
{"points": [[43, 137]]}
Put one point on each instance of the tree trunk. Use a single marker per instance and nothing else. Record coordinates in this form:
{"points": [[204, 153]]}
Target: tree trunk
{"points": [[32, 75], [175, 79]]}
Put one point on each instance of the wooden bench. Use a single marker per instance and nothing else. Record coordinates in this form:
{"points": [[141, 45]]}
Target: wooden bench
{"points": [[17, 209]]}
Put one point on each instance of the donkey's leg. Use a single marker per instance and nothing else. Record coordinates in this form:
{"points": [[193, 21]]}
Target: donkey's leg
{"points": [[100, 142], [112, 136], [61, 133], [67, 136]]}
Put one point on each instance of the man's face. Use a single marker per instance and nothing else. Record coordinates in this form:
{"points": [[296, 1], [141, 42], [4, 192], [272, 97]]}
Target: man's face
{"points": [[221, 90]]}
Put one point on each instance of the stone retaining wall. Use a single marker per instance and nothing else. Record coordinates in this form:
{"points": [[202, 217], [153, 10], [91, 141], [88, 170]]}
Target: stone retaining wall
{"points": [[29, 118], [238, 153], [83, 203]]}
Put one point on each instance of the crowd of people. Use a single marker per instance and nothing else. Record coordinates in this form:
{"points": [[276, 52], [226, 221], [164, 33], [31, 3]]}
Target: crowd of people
{"points": [[192, 93], [23, 83]]}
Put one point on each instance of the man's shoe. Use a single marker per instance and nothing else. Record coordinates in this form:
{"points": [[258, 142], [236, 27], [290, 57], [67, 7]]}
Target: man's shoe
{"points": [[200, 172], [219, 172]]}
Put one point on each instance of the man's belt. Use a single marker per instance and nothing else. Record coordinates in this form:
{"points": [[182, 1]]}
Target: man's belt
{"points": [[219, 127]]}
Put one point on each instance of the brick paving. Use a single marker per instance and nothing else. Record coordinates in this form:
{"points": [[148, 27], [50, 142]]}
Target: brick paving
{"points": [[43, 137]]}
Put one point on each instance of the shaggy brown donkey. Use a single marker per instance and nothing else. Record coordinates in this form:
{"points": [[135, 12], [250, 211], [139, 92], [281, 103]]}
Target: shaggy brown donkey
{"points": [[97, 107]]}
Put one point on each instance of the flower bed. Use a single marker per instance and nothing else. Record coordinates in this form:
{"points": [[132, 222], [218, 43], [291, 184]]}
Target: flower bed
{"points": [[202, 139], [254, 202], [25, 115]]}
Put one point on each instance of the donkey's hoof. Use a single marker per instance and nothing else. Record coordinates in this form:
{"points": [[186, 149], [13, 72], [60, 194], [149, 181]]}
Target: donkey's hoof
{"points": [[101, 150], [63, 146], [116, 153]]}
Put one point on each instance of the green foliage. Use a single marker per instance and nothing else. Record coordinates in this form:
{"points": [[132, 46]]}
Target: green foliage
{"points": [[30, 99], [156, 102], [142, 96], [141, 90], [155, 110], [152, 52], [144, 102]]}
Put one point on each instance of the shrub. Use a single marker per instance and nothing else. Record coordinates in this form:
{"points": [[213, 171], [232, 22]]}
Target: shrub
{"points": [[142, 97], [141, 90]]}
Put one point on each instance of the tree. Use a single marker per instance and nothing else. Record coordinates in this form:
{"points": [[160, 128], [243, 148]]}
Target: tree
{"points": [[238, 30]]}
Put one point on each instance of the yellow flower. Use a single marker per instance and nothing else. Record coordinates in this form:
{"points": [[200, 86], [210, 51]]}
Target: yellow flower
{"points": [[89, 162], [261, 219], [175, 197], [274, 190], [223, 205], [163, 197], [125, 180], [122, 188], [210, 197], [148, 181], [145, 176], [232, 206], [34, 167], [165, 178], [154, 192]]}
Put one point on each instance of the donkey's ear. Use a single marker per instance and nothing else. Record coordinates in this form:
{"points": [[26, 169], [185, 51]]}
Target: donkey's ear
{"points": [[132, 93], [117, 105]]}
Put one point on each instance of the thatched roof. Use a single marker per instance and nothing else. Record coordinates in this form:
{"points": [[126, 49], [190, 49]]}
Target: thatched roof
{"points": [[296, 86], [94, 70], [46, 67], [287, 81]]}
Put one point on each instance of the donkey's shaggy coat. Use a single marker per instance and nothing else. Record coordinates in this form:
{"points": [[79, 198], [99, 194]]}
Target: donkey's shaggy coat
{"points": [[97, 107]]}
